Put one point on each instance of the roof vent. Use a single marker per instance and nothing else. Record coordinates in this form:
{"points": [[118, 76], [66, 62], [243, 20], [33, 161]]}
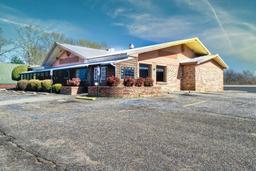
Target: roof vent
{"points": [[131, 46], [111, 50]]}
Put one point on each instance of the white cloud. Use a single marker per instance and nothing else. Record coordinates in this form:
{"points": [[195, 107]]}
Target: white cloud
{"points": [[243, 42], [8, 21], [144, 4], [153, 28], [226, 34], [46, 25], [118, 12], [8, 8], [13, 16]]}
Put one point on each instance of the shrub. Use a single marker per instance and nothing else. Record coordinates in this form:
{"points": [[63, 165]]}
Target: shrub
{"points": [[17, 71], [129, 81], [148, 82], [46, 85], [74, 82], [139, 82], [34, 85], [113, 81], [22, 84], [56, 87]]}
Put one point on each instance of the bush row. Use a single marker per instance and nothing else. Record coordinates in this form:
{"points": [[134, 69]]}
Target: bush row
{"points": [[38, 85], [17, 71], [129, 82]]}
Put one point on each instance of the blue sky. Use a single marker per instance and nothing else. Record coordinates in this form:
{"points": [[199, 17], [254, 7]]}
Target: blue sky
{"points": [[227, 27]]}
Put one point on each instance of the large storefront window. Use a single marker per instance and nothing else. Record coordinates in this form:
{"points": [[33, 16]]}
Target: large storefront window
{"points": [[40, 76], [127, 72], [160, 73], [144, 70], [61, 76], [47, 75], [30, 76], [82, 74]]}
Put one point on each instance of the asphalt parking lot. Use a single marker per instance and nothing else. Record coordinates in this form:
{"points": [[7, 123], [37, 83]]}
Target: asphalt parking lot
{"points": [[177, 131]]}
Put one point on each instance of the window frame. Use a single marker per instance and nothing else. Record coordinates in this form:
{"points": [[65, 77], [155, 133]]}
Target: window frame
{"points": [[148, 69], [164, 73], [123, 71], [103, 75], [96, 76]]}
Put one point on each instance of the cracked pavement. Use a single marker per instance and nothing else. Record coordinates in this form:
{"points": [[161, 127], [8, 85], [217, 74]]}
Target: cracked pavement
{"points": [[173, 132]]}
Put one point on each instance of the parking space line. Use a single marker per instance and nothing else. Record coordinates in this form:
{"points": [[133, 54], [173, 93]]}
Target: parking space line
{"points": [[196, 103], [30, 100]]}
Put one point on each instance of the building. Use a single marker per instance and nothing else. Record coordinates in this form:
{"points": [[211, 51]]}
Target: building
{"points": [[178, 65], [6, 75]]}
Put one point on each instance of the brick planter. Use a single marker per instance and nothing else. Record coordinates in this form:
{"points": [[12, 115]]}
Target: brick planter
{"points": [[107, 91], [7, 86], [72, 90]]}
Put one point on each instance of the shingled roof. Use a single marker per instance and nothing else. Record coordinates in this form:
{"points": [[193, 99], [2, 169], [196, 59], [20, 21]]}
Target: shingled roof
{"points": [[88, 53]]}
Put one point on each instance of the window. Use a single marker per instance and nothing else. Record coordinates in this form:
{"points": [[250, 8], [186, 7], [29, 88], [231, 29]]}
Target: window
{"points": [[96, 73], [127, 72], [160, 73], [103, 73], [60, 76], [47, 75], [144, 70], [82, 74], [40, 76]]}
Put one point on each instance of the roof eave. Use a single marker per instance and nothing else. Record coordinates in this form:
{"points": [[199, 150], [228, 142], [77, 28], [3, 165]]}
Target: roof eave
{"points": [[204, 50], [70, 50], [204, 47], [49, 53]]}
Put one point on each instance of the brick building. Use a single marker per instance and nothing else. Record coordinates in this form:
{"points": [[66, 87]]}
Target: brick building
{"points": [[178, 65]]}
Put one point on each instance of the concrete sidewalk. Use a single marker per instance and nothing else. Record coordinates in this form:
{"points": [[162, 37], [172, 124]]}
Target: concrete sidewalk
{"points": [[32, 99]]}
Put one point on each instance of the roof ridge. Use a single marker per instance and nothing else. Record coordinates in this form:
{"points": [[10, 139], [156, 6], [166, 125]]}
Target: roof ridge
{"points": [[158, 44], [79, 46]]}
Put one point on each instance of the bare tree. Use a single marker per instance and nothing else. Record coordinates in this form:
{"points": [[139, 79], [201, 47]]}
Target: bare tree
{"points": [[244, 77], [29, 40], [5, 45], [91, 44], [35, 43]]}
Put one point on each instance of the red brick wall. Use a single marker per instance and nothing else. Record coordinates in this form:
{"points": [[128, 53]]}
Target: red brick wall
{"points": [[106, 91], [188, 77], [7, 85], [72, 90]]}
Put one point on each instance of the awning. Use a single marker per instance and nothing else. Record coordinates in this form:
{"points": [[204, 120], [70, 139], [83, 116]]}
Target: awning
{"points": [[77, 65]]}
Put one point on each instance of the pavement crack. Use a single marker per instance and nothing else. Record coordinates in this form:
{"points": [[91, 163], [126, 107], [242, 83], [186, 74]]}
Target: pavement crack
{"points": [[42, 160]]}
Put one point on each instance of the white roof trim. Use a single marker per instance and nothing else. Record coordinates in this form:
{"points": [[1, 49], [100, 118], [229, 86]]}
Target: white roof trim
{"points": [[202, 59]]}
